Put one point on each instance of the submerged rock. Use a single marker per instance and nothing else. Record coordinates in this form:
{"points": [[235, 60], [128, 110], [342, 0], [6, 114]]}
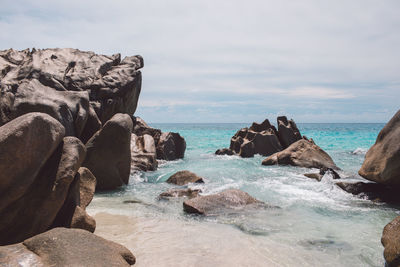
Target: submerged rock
{"points": [[184, 177], [391, 242], [180, 192], [66, 247], [382, 161], [373, 191], [225, 201], [302, 153], [224, 151], [109, 153]]}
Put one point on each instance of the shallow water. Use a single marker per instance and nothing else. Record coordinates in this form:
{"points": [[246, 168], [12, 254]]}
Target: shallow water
{"points": [[318, 223]]}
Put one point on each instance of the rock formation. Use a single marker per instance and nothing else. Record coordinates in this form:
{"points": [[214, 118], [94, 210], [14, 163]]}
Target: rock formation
{"points": [[66, 247], [263, 139], [230, 200], [382, 161], [184, 177], [143, 153], [391, 241], [108, 153], [302, 153]]}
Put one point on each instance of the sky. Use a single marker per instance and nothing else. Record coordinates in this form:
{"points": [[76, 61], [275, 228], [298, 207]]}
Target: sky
{"points": [[233, 61]]}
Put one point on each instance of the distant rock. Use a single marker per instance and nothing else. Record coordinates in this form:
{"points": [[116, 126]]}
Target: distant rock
{"points": [[184, 177], [372, 191], [302, 153], [109, 153], [262, 138], [143, 153], [382, 161], [391, 242], [66, 247], [224, 151], [226, 201], [180, 192]]}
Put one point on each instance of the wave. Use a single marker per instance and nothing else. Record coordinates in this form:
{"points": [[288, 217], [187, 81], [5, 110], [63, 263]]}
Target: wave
{"points": [[360, 151]]}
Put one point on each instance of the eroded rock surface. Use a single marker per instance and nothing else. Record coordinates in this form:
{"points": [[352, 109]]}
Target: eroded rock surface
{"points": [[382, 161]]}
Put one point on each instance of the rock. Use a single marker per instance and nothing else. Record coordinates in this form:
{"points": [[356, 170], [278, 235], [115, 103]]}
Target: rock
{"points": [[372, 191], [20, 166], [266, 143], [140, 128], [329, 171], [108, 153], [382, 161], [43, 204], [302, 153], [180, 192], [391, 242], [288, 133], [66, 247], [112, 86], [225, 201], [247, 149], [184, 177], [264, 126], [171, 146], [315, 176], [143, 153], [87, 186], [224, 151]]}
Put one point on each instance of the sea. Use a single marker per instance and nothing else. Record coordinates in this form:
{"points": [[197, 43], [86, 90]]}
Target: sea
{"points": [[316, 224]]}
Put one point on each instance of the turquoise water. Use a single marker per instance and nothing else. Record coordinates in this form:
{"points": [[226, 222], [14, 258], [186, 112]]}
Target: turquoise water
{"points": [[317, 220]]}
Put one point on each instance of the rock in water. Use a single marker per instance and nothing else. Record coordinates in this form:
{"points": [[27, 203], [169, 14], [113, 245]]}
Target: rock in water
{"points": [[224, 151], [108, 153], [63, 82], [184, 177], [372, 191], [180, 192], [225, 201], [391, 241], [171, 146], [66, 247], [143, 153], [302, 153], [382, 161], [288, 133]]}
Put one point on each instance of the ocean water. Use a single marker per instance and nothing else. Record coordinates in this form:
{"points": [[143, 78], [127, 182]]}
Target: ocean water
{"points": [[317, 224]]}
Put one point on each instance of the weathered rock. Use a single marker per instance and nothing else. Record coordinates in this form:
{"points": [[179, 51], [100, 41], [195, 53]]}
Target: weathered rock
{"points": [[171, 146], [391, 241], [143, 153], [266, 143], [225, 201], [373, 191], [87, 186], [42, 204], [224, 151], [180, 192], [66, 247], [23, 155], [288, 133], [329, 171], [264, 126], [247, 149], [302, 153], [382, 161], [113, 85], [108, 153], [140, 128], [184, 177]]}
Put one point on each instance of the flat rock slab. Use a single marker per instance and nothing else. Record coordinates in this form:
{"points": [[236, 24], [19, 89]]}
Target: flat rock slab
{"points": [[224, 202], [66, 247], [184, 177]]}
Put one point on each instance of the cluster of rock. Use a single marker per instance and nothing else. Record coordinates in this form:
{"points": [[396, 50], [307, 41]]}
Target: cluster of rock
{"points": [[149, 145], [65, 131]]}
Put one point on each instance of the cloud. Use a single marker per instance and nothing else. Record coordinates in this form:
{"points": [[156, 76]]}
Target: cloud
{"points": [[259, 57]]}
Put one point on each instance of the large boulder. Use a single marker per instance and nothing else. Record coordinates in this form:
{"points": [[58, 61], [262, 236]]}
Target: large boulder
{"points": [[143, 153], [171, 146], [68, 78], [109, 153], [226, 201], [41, 204], [382, 161], [184, 177], [66, 247], [302, 153], [391, 241], [288, 133]]}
